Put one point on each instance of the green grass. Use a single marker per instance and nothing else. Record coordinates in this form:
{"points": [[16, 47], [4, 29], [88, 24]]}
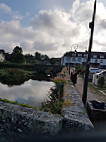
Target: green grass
{"points": [[96, 89], [21, 104]]}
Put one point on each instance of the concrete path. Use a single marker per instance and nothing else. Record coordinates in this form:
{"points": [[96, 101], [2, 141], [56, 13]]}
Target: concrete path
{"points": [[92, 94]]}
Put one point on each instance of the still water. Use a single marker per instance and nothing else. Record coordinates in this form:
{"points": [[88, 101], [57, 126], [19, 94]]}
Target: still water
{"points": [[32, 92]]}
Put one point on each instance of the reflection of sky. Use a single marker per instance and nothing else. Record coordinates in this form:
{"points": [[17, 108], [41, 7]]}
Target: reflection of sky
{"points": [[32, 92]]}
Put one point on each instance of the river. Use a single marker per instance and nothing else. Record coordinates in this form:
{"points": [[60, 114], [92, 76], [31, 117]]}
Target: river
{"points": [[32, 92]]}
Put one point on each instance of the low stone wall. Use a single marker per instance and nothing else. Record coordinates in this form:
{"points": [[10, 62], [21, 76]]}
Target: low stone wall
{"points": [[96, 115], [73, 111], [28, 121]]}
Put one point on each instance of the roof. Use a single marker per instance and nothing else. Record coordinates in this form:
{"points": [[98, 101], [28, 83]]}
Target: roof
{"points": [[83, 53]]}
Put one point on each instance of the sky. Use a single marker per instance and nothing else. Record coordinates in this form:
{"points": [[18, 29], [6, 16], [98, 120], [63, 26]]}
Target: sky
{"points": [[51, 27]]}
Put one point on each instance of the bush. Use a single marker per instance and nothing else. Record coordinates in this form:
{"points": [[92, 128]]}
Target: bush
{"points": [[59, 79], [101, 81], [80, 70], [55, 101]]}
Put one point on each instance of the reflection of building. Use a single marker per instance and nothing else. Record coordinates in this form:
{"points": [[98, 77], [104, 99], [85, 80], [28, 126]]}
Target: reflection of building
{"points": [[2, 56], [98, 59]]}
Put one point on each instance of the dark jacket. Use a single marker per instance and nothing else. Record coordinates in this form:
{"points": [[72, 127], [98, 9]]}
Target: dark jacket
{"points": [[74, 77]]}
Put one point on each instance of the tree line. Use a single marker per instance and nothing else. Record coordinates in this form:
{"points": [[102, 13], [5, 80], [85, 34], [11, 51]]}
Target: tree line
{"points": [[17, 57]]}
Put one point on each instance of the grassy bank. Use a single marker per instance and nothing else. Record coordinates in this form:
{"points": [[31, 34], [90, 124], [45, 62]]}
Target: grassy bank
{"points": [[20, 104]]}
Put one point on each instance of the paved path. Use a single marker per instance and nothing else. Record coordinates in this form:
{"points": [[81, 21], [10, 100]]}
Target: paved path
{"points": [[93, 93]]}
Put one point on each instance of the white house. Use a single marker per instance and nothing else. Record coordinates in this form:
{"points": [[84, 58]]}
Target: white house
{"points": [[98, 59], [2, 56]]}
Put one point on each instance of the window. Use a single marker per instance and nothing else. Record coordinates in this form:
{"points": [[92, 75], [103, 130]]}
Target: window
{"points": [[68, 58], [73, 55], [73, 58], [79, 55], [85, 55], [79, 59], [94, 56], [96, 60], [85, 59], [101, 56], [101, 61]]}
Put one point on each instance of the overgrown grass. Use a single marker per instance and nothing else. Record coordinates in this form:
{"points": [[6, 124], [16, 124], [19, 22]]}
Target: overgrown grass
{"points": [[96, 89]]}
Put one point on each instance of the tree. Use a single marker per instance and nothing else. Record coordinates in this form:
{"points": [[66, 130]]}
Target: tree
{"points": [[55, 61], [46, 58], [30, 58], [17, 55], [37, 56], [7, 57], [17, 49]]}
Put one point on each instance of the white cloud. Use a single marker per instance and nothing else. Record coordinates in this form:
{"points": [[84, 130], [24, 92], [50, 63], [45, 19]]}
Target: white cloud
{"points": [[53, 32], [28, 13], [5, 8], [82, 12], [55, 29], [13, 34], [8, 11]]}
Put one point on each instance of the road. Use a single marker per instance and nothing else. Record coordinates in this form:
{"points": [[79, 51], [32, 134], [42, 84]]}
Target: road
{"points": [[92, 93]]}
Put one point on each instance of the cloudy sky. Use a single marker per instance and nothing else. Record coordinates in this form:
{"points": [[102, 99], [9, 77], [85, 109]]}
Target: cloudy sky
{"points": [[51, 26]]}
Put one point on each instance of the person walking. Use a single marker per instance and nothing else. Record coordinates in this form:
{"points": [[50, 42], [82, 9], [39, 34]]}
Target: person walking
{"points": [[73, 76]]}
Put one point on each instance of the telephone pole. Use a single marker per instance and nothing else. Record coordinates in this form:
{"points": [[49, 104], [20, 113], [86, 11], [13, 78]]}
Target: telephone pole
{"points": [[91, 26]]}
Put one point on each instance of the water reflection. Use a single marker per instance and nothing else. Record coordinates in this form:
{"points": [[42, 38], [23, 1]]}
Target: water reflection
{"points": [[32, 92]]}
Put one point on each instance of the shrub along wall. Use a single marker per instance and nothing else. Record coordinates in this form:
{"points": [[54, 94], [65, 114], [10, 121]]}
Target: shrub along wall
{"points": [[55, 101]]}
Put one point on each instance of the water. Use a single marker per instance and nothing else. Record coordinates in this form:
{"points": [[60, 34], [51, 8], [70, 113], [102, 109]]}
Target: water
{"points": [[32, 92]]}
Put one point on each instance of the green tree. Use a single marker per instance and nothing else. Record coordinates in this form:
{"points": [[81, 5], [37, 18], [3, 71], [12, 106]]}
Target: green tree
{"points": [[30, 58], [37, 56], [17, 49], [55, 61], [17, 55]]}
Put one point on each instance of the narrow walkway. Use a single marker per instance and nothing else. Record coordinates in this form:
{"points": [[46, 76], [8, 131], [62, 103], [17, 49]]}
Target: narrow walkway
{"points": [[92, 93]]}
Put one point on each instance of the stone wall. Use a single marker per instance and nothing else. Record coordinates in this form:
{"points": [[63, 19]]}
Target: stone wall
{"points": [[28, 121], [73, 111]]}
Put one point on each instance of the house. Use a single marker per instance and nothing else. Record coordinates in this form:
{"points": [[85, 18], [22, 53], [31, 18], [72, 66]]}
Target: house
{"points": [[98, 59], [2, 56]]}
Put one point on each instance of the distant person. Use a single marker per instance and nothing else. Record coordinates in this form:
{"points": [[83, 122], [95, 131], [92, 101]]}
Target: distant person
{"points": [[69, 70], [73, 76]]}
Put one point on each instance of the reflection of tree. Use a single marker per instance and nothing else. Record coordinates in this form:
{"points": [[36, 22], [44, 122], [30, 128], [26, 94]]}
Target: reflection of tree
{"points": [[11, 84]]}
